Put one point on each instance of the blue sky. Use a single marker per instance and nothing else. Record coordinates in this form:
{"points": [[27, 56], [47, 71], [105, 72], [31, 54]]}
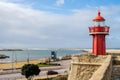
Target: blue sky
{"points": [[55, 23]]}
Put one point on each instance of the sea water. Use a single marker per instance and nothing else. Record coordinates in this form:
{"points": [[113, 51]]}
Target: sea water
{"points": [[35, 54]]}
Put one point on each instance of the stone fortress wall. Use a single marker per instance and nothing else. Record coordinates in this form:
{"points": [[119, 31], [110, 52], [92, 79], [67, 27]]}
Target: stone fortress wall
{"points": [[91, 67]]}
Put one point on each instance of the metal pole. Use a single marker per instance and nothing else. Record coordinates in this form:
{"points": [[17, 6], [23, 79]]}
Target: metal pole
{"points": [[28, 57], [12, 60], [15, 57]]}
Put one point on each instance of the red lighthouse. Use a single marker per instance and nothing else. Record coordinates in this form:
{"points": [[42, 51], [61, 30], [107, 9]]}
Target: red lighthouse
{"points": [[99, 31]]}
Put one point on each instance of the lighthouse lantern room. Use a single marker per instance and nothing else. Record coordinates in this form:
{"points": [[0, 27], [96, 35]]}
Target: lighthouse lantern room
{"points": [[99, 31]]}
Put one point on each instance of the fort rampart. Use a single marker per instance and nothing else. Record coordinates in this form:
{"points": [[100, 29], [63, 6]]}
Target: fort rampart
{"points": [[91, 67]]}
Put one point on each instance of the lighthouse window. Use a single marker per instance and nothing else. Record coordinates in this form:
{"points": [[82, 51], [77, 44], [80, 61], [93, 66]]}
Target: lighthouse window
{"points": [[99, 23]]}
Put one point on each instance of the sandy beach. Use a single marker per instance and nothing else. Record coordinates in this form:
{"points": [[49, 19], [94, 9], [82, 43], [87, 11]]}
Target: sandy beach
{"points": [[19, 64], [115, 51]]}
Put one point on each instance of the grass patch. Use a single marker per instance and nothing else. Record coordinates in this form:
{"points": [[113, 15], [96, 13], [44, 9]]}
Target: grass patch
{"points": [[47, 65], [44, 65]]}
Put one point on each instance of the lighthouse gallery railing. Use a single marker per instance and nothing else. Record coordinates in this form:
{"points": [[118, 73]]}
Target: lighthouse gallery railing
{"points": [[99, 30]]}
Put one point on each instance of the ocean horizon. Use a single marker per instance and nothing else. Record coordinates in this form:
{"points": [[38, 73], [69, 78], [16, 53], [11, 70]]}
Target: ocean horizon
{"points": [[23, 55]]}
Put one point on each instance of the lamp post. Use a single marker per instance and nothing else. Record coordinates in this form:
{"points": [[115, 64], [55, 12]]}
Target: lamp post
{"points": [[16, 58], [12, 60], [28, 57]]}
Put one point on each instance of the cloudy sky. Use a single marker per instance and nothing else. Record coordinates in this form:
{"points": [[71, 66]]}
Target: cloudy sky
{"points": [[55, 23]]}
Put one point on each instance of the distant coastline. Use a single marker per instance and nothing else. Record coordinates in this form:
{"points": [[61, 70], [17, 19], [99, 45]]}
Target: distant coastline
{"points": [[11, 49]]}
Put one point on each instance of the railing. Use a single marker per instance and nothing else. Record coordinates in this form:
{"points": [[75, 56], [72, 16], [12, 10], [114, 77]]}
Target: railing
{"points": [[99, 30]]}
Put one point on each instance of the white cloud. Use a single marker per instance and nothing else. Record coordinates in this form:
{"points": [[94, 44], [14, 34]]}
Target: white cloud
{"points": [[59, 2], [21, 26]]}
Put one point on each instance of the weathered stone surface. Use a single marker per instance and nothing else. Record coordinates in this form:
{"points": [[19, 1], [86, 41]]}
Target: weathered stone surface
{"points": [[116, 68], [88, 58], [84, 66]]}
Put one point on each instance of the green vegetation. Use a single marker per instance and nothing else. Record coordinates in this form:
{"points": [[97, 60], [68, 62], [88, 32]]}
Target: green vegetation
{"points": [[47, 64], [44, 65], [30, 70]]}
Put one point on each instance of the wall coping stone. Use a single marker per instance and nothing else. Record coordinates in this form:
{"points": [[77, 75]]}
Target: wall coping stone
{"points": [[83, 63]]}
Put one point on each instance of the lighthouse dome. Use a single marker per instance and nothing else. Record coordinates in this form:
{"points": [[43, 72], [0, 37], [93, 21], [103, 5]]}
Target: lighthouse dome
{"points": [[98, 17]]}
